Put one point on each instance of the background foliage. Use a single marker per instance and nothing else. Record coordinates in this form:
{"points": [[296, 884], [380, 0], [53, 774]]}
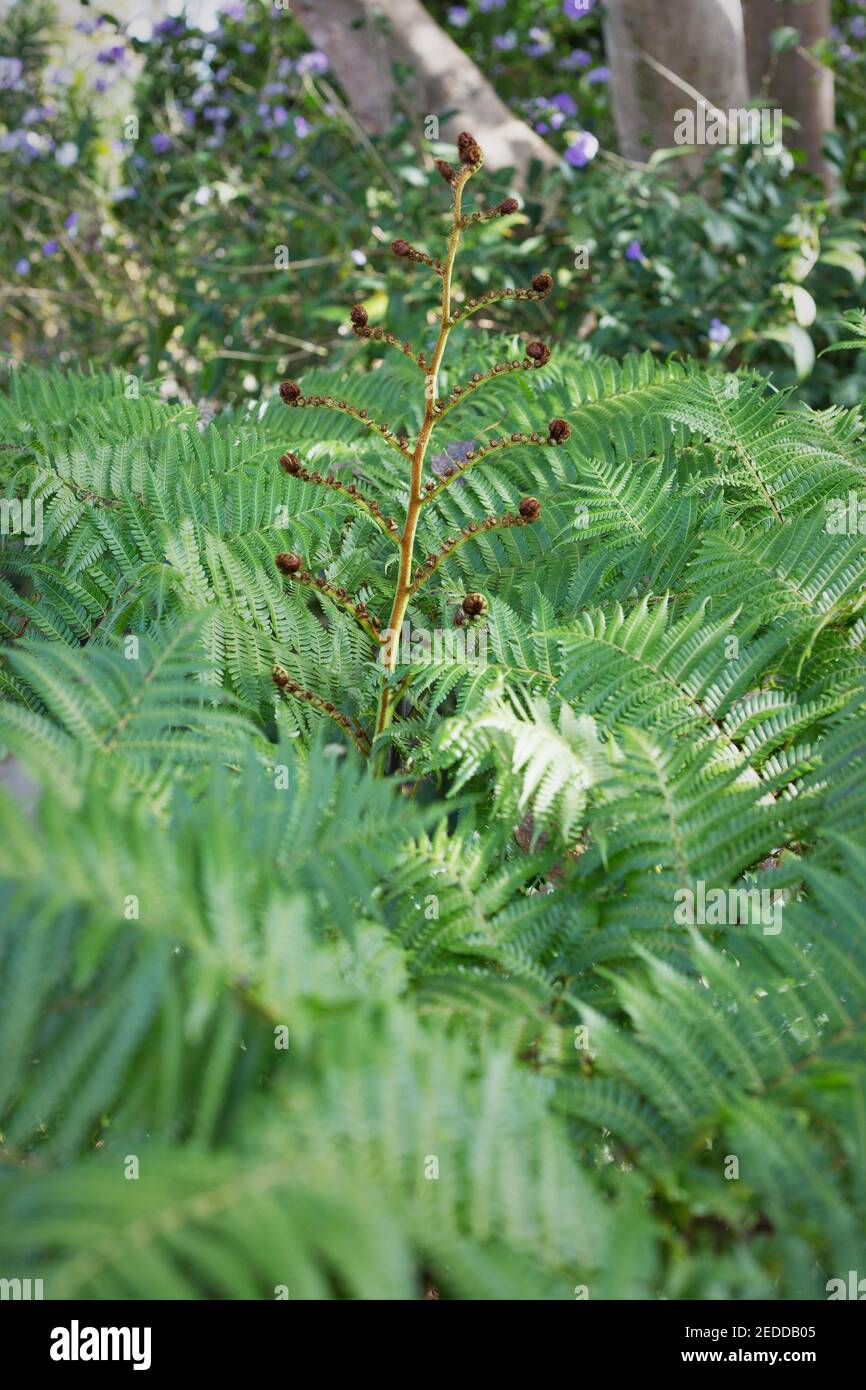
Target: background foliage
{"points": [[242, 145]]}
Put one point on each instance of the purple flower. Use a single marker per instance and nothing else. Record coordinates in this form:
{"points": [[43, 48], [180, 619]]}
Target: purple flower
{"points": [[486, 5], [505, 41], [217, 113], [168, 29], [541, 43], [108, 56], [32, 144], [542, 127], [10, 72], [564, 102], [718, 332], [22, 267], [582, 149], [598, 75], [458, 15], [234, 9], [70, 222], [302, 127], [66, 154], [858, 26], [273, 89], [246, 47], [89, 26], [50, 248], [314, 61], [280, 115], [123, 194], [577, 58], [160, 142], [634, 251], [576, 9]]}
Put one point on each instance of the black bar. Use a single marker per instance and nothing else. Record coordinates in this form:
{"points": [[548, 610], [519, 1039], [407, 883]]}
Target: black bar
{"points": [[254, 1338]]}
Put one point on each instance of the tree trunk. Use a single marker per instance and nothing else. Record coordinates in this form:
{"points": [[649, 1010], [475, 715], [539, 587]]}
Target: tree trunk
{"points": [[355, 43], [702, 43], [364, 39], [802, 90]]}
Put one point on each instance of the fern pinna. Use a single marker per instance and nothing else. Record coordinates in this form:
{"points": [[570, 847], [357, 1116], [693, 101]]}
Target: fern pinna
{"points": [[420, 491], [490, 972]]}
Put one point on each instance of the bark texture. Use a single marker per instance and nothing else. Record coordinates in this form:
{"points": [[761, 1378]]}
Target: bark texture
{"points": [[364, 39], [702, 42], [802, 90]]}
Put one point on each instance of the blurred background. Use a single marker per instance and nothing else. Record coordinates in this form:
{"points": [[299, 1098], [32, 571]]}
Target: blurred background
{"points": [[196, 193]]}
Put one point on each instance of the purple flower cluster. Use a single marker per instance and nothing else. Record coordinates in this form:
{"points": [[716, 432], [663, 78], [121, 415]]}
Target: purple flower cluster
{"points": [[108, 57], [577, 58], [26, 144], [314, 61], [169, 29], [11, 74], [541, 43], [551, 113], [34, 114], [583, 148]]}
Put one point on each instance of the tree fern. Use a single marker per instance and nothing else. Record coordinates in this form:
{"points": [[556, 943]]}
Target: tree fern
{"points": [[462, 995]]}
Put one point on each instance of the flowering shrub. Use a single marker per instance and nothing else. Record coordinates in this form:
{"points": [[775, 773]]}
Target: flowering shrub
{"points": [[47, 167], [535, 51], [178, 198]]}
